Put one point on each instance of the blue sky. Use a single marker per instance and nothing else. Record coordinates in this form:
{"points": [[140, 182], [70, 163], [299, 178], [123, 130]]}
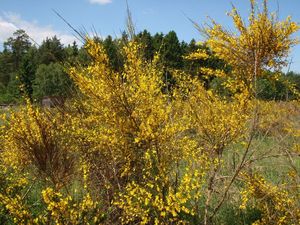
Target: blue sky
{"points": [[108, 17]]}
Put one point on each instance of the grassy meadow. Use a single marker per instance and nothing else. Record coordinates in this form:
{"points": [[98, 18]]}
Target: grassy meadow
{"points": [[144, 143]]}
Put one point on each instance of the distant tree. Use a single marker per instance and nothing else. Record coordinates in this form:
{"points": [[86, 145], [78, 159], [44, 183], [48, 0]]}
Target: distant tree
{"points": [[124, 38], [191, 66], [171, 51], [146, 39], [17, 45], [6, 67], [74, 49], [13, 92], [27, 71], [51, 51], [2, 93], [83, 57], [113, 52], [192, 47], [157, 40], [2, 89], [51, 80], [11, 62], [72, 52]]}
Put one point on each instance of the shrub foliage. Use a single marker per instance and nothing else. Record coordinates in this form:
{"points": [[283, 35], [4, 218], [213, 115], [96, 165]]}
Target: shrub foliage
{"points": [[133, 149]]}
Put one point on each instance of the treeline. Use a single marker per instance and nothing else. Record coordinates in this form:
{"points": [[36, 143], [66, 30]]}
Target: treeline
{"points": [[34, 70], [39, 70]]}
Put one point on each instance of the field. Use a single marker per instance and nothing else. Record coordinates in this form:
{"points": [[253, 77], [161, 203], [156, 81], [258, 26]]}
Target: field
{"points": [[142, 142], [55, 164]]}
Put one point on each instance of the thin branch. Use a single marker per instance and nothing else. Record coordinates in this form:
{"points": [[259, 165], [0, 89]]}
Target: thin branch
{"points": [[75, 30]]}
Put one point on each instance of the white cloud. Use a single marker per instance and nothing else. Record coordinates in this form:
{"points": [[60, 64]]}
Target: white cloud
{"points": [[101, 2], [10, 22]]}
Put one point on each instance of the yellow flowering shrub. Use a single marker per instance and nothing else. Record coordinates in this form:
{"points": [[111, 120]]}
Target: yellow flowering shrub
{"points": [[257, 45], [278, 117], [138, 136], [276, 203], [163, 198], [63, 210], [35, 137], [143, 153], [13, 182]]}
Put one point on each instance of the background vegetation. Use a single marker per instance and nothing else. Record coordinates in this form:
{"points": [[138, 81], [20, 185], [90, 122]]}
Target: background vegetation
{"points": [[38, 70], [154, 133]]}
